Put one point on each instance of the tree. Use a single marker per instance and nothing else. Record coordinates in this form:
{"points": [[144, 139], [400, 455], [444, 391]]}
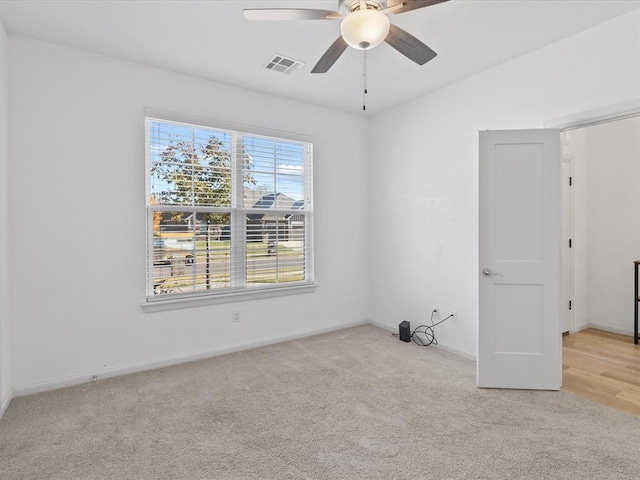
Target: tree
{"points": [[157, 216], [200, 178]]}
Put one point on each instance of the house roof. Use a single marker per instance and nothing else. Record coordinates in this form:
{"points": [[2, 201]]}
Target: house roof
{"points": [[277, 201]]}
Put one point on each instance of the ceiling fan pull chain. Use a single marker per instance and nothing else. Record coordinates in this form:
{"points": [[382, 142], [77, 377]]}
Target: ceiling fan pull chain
{"points": [[364, 78]]}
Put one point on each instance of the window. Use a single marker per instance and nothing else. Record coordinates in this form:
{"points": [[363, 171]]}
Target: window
{"points": [[227, 212]]}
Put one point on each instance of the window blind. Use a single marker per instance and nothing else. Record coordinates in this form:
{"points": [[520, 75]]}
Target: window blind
{"points": [[226, 211]]}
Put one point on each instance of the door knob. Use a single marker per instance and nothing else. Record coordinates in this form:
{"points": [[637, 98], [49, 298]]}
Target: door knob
{"points": [[487, 272]]}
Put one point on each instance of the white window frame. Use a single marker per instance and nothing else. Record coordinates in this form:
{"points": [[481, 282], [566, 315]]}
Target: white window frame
{"points": [[238, 291]]}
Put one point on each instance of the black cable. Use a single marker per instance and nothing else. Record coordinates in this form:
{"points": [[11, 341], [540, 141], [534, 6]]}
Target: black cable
{"points": [[428, 332]]}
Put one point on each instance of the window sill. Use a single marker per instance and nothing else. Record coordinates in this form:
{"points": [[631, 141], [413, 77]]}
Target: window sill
{"points": [[226, 297]]}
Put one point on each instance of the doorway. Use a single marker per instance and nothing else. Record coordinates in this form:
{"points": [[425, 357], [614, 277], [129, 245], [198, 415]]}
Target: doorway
{"points": [[601, 224]]}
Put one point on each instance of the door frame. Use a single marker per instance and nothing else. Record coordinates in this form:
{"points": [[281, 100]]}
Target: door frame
{"points": [[566, 267], [588, 118], [611, 113]]}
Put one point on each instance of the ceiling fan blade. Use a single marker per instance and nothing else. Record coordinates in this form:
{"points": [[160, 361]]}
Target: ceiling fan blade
{"points": [[401, 6], [336, 49], [409, 46], [289, 14]]}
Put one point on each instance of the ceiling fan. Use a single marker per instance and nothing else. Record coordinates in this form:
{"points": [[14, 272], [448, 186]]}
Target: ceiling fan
{"points": [[364, 25]]}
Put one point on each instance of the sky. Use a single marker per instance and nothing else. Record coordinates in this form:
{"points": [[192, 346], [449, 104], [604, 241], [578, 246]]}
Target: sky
{"points": [[277, 166]]}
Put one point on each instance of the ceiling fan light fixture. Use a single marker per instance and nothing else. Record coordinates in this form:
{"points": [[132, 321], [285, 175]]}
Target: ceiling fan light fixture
{"points": [[365, 29]]}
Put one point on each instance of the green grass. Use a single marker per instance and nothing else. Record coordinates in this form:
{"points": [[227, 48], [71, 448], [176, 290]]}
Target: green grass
{"points": [[219, 280], [254, 249], [220, 251]]}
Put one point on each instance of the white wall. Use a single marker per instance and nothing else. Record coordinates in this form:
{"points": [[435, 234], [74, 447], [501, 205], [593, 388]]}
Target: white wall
{"points": [[77, 174], [5, 381], [614, 222], [77, 217], [424, 172]]}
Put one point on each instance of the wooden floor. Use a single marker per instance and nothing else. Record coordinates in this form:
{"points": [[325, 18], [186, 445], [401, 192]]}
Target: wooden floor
{"points": [[604, 367]]}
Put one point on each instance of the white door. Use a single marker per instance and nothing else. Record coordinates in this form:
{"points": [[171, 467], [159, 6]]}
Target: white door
{"points": [[519, 331]]}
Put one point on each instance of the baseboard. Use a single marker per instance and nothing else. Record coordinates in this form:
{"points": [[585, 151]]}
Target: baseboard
{"points": [[446, 348], [5, 402], [388, 328], [102, 374], [460, 353], [608, 328]]}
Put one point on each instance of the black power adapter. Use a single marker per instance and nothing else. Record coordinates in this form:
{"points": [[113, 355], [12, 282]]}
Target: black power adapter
{"points": [[405, 331]]}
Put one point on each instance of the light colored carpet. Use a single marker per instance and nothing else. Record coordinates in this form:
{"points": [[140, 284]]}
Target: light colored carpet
{"points": [[351, 404]]}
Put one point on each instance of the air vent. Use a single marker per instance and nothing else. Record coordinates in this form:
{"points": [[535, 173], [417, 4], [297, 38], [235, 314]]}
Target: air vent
{"points": [[280, 63]]}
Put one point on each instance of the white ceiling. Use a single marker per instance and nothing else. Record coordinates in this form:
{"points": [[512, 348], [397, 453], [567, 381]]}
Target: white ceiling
{"points": [[211, 39]]}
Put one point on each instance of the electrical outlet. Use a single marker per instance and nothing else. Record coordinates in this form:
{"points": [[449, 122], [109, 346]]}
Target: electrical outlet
{"points": [[454, 316], [436, 313], [236, 316]]}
